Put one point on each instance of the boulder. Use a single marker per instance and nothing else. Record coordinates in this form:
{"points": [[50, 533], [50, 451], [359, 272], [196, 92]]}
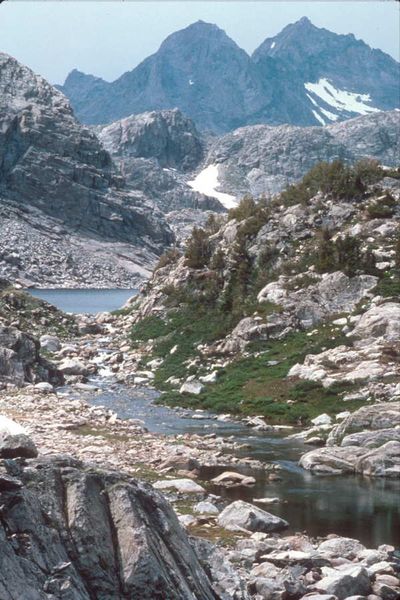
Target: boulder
{"points": [[207, 508], [241, 515], [44, 388], [191, 387], [20, 361], [375, 417], [230, 478], [351, 581], [95, 534], [73, 366], [323, 419], [381, 462], [51, 343], [183, 486], [342, 547], [17, 445], [10, 427], [372, 439], [379, 323], [332, 461]]}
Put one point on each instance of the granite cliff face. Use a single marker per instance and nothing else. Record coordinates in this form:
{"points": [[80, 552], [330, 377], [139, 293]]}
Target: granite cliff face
{"points": [[303, 76], [56, 178]]}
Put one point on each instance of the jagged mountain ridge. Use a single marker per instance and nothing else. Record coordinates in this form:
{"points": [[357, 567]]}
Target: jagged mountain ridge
{"points": [[304, 76]]}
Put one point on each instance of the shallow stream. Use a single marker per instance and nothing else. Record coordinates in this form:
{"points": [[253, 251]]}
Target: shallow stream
{"points": [[366, 509]]}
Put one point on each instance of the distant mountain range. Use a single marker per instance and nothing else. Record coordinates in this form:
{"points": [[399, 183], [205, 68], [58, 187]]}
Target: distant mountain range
{"points": [[303, 76]]}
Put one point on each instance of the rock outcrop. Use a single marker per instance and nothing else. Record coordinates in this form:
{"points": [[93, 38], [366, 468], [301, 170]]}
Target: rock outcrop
{"points": [[20, 360], [262, 159], [71, 531], [56, 178], [367, 442]]}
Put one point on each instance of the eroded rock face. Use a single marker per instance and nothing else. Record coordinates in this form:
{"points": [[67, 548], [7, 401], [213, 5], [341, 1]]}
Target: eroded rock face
{"points": [[167, 136], [20, 360], [57, 170], [78, 533]]}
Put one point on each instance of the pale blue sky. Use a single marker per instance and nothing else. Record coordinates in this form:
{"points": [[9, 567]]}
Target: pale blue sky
{"points": [[109, 38]]}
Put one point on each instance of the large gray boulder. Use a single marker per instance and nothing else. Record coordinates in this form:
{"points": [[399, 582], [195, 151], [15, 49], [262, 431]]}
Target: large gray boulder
{"points": [[351, 581], [17, 446], [332, 461], [20, 360], [241, 515], [375, 417], [383, 461], [73, 532]]}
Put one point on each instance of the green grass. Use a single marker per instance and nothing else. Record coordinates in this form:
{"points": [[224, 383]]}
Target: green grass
{"points": [[388, 286], [247, 385]]}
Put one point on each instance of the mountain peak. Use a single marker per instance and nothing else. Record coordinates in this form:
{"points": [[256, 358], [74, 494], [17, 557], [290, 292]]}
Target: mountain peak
{"points": [[195, 32]]}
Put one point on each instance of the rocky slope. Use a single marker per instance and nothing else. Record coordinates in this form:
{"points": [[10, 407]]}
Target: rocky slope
{"points": [[56, 178], [261, 159], [286, 310], [303, 76], [156, 152]]}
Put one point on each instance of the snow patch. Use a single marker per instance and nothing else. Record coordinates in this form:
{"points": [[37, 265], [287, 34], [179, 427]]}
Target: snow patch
{"points": [[328, 114], [341, 99], [206, 183], [318, 117], [272, 45]]}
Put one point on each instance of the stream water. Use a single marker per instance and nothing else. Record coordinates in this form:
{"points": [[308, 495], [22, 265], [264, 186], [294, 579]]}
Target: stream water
{"points": [[366, 509]]}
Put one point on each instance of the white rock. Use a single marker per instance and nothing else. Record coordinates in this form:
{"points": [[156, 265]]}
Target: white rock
{"points": [[210, 378], [323, 419], [73, 366], [191, 387], [51, 343], [184, 486], [206, 508], [44, 387], [10, 427], [241, 515]]}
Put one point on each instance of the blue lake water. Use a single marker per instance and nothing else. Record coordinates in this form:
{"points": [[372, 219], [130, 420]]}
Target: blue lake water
{"points": [[84, 300]]}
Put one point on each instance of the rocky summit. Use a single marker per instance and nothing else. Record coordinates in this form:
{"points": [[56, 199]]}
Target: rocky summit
{"points": [[303, 76]]}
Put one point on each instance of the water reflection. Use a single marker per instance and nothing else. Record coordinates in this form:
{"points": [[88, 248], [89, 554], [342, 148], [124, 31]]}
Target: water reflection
{"points": [[367, 509]]}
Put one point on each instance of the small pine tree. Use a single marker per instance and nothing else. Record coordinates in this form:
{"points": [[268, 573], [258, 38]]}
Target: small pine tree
{"points": [[217, 262], [348, 255], [326, 259], [198, 250]]}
